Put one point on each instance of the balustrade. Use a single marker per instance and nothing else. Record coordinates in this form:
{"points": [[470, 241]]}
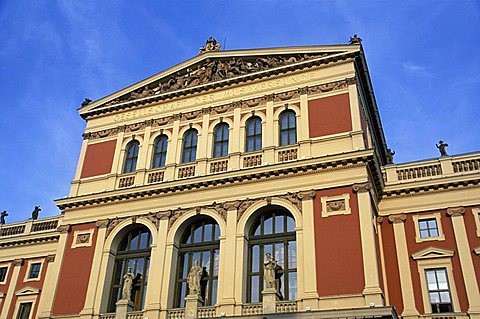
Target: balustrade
{"points": [[219, 166], [253, 160], [126, 181], [186, 171]]}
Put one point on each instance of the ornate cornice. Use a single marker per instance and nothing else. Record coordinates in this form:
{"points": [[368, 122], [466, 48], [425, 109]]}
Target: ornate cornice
{"points": [[144, 96], [285, 96], [455, 211], [432, 189], [398, 218], [21, 242], [17, 262], [102, 223], [362, 188]]}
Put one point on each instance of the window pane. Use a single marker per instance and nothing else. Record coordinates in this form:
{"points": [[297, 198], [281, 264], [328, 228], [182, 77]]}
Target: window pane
{"points": [[206, 261], [268, 225], [292, 286], [217, 232], [24, 310], [208, 232], [144, 240], [445, 296], [255, 258], [422, 225], [3, 273], [255, 289], [215, 263], [434, 297], [292, 254], [290, 224], [279, 224], [424, 234], [214, 291], [184, 270], [280, 254], [267, 249], [432, 223], [140, 264], [433, 233], [134, 241], [197, 235]]}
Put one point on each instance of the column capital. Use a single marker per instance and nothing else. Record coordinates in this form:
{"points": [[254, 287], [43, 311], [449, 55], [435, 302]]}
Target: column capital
{"points": [[362, 188], [50, 258], [455, 211], [17, 262], [398, 218]]}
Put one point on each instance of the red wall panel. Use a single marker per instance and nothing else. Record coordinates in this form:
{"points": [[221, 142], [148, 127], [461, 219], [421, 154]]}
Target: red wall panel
{"points": [[98, 159], [329, 115], [391, 266], [74, 275], [338, 248]]}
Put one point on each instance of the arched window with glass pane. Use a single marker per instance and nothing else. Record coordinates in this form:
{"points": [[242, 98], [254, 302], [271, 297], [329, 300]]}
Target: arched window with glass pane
{"points": [[159, 151], [272, 232], [220, 140], [189, 152], [200, 242], [133, 252], [254, 134], [131, 156], [288, 128]]}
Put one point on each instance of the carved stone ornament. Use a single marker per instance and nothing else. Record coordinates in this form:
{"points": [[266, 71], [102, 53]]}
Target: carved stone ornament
{"points": [[456, 211], [379, 219], [63, 229], [214, 70], [399, 218], [83, 238], [210, 45], [102, 223], [335, 205], [221, 209], [50, 258], [361, 188], [112, 223]]}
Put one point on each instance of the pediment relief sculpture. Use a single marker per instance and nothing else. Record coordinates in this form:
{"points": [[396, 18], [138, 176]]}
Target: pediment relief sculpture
{"points": [[213, 70], [432, 252]]}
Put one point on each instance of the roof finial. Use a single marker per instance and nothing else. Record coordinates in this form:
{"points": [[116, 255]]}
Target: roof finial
{"points": [[355, 39], [210, 45]]}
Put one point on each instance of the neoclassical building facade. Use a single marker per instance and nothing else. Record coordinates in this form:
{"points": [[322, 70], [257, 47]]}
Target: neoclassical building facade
{"points": [[229, 156]]}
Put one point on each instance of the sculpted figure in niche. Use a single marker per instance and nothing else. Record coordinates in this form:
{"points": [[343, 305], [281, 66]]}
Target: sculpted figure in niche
{"points": [[193, 278], [271, 272], [442, 147], [127, 284]]}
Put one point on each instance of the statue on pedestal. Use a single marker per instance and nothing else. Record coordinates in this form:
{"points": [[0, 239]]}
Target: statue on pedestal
{"points": [[193, 278], [442, 148], [127, 284], [271, 273], [35, 212], [2, 217]]}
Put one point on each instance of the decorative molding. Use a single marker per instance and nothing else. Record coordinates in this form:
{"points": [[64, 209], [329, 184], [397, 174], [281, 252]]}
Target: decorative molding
{"points": [[432, 252], [63, 229], [101, 223], [456, 211], [379, 220], [336, 205], [82, 238], [398, 218], [23, 242], [362, 188], [50, 258]]}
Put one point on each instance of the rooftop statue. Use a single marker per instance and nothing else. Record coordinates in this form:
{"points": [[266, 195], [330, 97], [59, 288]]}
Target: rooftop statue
{"points": [[210, 45], [442, 148], [390, 154], [2, 217], [35, 212], [355, 39]]}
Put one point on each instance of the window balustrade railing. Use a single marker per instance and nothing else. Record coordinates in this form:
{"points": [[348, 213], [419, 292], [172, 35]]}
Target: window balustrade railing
{"points": [[155, 176], [126, 181], [252, 160], [437, 168], [186, 171], [252, 309], [219, 166], [287, 155]]}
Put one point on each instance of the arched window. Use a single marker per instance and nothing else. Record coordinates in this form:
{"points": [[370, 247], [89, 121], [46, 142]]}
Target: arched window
{"points": [[134, 253], [272, 232], [159, 151], [189, 153], [131, 156], [288, 128], [254, 134], [220, 140], [200, 242]]}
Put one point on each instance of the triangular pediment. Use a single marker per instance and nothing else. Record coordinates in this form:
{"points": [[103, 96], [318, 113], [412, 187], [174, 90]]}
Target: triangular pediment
{"points": [[432, 252], [212, 69], [27, 291]]}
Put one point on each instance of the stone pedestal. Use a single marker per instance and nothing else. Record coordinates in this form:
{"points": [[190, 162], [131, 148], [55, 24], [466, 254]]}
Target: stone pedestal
{"points": [[192, 302], [270, 298], [123, 306]]}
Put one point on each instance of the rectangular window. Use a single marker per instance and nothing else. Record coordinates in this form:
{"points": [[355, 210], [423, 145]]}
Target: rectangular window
{"points": [[24, 310], [438, 290], [428, 228], [3, 274], [34, 270]]}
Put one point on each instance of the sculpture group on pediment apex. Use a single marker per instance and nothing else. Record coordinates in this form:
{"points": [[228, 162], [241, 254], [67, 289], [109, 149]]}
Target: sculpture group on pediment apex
{"points": [[213, 70]]}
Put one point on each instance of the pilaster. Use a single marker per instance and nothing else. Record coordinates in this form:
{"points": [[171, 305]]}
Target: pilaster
{"points": [[466, 262], [372, 291], [234, 141], [408, 296], [171, 159], [269, 143], [227, 261], [7, 303], [81, 158], [357, 139], [303, 129]]}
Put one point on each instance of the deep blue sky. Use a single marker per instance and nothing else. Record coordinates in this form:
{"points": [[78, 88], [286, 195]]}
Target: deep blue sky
{"points": [[423, 56]]}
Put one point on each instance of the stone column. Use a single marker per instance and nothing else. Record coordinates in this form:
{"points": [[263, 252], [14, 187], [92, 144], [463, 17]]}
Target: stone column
{"points": [[310, 293], [466, 262], [192, 302], [87, 311], [17, 264], [406, 285], [49, 288], [372, 291]]}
